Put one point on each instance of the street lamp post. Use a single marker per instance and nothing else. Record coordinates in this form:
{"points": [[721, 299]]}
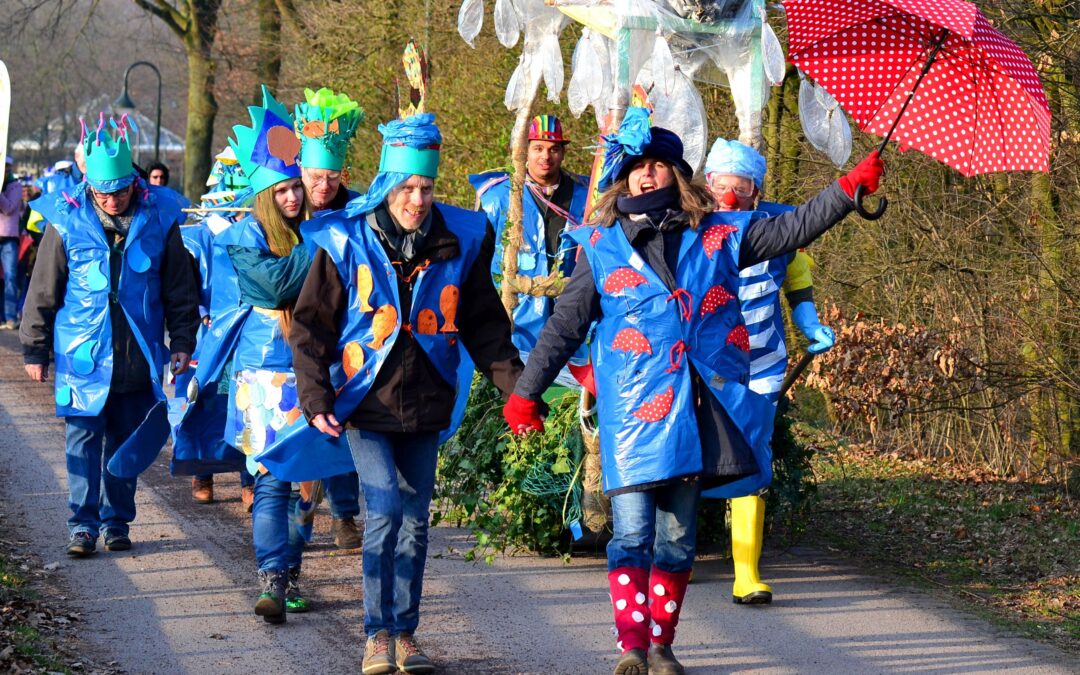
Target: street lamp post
{"points": [[124, 102]]}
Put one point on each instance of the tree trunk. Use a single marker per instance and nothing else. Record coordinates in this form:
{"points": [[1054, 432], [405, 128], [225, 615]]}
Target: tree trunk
{"points": [[519, 146], [268, 54], [199, 36]]}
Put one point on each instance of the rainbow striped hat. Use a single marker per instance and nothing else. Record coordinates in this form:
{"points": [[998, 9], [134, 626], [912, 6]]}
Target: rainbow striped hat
{"points": [[546, 128]]}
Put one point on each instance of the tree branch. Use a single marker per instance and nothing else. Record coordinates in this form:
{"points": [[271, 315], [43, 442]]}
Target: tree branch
{"points": [[176, 21]]}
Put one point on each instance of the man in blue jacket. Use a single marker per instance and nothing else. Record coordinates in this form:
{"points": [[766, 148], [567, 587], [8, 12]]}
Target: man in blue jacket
{"points": [[111, 274]]}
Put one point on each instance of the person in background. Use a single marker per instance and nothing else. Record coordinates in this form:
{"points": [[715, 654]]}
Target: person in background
{"points": [[12, 207], [157, 174]]}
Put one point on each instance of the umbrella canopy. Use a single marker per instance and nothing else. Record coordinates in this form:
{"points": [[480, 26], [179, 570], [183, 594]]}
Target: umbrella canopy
{"points": [[979, 107]]}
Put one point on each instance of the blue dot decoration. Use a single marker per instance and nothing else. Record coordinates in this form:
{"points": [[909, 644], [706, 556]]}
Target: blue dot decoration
{"points": [[82, 361]]}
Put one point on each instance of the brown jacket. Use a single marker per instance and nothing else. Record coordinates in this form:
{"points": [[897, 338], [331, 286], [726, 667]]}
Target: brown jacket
{"points": [[408, 394]]}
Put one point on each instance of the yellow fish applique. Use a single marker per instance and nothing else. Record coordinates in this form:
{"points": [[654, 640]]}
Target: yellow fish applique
{"points": [[363, 287], [352, 360]]}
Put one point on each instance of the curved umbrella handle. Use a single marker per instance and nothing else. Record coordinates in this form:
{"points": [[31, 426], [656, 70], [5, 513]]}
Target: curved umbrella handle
{"points": [[883, 203]]}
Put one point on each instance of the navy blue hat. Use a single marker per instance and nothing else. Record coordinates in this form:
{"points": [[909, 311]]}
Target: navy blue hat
{"points": [[637, 139], [664, 145]]}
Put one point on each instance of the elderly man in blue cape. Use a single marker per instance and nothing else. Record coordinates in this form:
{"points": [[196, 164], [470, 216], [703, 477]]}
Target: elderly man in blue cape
{"points": [[111, 274], [400, 286], [735, 173], [553, 203]]}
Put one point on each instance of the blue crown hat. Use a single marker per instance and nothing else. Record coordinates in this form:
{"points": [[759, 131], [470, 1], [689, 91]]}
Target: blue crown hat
{"points": [[108, 157], [736, 159], [410, 148], [636, 139], [267, 150]]}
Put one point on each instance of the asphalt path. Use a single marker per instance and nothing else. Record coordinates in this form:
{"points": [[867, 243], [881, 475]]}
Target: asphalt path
{"points": [[181, 600]]}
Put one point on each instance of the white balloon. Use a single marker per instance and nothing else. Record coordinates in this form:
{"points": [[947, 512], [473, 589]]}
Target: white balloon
{"points": [[773, 55], [470, 19], [507, 23], [814, 117]]}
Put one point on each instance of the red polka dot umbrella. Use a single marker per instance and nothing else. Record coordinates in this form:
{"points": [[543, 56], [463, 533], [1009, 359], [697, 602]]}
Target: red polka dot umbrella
{"points": [[972, 98]]}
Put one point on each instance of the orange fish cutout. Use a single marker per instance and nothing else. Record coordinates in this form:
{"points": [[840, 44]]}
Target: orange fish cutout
{"points": [[363, 287], [282, 143], [314, 129], [383, 325], [352, 359], [448, 302], [426, 322]]}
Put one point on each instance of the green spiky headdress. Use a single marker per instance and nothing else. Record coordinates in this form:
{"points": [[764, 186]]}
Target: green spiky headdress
{"points": [[267, 149], [108, 159], [326, 125]]}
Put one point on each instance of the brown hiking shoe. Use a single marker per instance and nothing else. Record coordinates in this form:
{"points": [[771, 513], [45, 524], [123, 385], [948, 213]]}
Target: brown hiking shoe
{"points": [[202, 491], [379, 655], [346, 533], [410, 658], [247, 496]]}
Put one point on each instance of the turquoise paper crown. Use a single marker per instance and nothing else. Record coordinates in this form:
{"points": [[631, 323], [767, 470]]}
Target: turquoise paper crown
{"points": [[267, 149], [108, 158], [326, 124]]}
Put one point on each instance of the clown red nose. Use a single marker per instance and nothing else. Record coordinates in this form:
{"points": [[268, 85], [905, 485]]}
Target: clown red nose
{"points": [[729, 199]]}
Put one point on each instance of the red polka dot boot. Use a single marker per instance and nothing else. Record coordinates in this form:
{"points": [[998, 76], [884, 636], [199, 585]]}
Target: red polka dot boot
{"points": [[629, 599], [666, 592]]}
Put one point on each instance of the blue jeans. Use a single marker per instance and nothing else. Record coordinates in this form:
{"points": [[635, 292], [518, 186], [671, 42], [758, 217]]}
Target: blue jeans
{"points": [[9, 257], [397, 473], [246, 478], [97, 498], [278, 543], [655, 527], [343, 493]]}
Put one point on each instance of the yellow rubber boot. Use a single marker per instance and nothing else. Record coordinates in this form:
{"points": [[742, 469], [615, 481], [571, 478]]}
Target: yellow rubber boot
{"points": [[747, 533]]}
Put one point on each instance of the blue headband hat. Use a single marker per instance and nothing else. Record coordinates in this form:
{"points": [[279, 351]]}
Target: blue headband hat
{"points": [[635, 140], [736, 159], [410, 148], [108, 157]]}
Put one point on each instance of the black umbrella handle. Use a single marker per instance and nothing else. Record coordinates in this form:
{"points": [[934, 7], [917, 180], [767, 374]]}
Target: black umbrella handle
{"points": [[860, 193]]}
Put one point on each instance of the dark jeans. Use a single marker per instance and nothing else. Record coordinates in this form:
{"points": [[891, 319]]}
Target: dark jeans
{"points": [[97, 498], [398, 478], [343, 493], [246, 478], [655, 527], [9, 257]]}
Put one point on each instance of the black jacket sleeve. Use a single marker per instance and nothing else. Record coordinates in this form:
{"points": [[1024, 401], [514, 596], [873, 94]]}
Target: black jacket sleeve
{"points": [[483, 324], [179, 294], [574, 313], [773, 237], [48, 284], [314, 334]]}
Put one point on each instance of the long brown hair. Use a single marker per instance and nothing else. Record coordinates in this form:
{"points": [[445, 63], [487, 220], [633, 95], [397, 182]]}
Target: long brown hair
{"points": [[281, 236], [694, 199]]}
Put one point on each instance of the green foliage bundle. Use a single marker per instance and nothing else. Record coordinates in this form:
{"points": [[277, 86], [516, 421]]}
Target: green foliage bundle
{"points": [[512, 492]]}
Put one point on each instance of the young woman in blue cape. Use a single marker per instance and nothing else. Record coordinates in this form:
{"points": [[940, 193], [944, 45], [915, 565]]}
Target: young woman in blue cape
{"points": [[398, 290], [659, 274], [258, 267]]}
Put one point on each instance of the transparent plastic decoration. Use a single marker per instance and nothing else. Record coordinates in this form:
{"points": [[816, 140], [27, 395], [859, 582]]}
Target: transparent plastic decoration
{"points": [[470, 20], [813, 116], [602, 103], [586, 76], [683, 112], [772, 54], [520, 88], [550, 56], [839, 138], [662, 65], [507, 23]]}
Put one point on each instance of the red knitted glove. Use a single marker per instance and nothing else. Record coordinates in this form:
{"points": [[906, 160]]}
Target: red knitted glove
{"points": [[866, 173], [523, 415]]}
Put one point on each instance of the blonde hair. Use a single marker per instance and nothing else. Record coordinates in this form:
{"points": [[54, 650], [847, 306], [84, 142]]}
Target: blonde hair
{"points": [[695, 200], [281, 236]]}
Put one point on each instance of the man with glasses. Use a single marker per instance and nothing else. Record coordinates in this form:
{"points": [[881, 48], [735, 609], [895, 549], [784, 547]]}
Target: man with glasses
{"points": [[111, 274], [735, 173]]}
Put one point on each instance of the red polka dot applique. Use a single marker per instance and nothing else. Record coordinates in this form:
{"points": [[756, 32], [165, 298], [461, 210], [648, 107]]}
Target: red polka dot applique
{"points": [[624, 277], [594, 237], [714, 238], [716, 297], [740, 338], [632, 340], [656, 408]]}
